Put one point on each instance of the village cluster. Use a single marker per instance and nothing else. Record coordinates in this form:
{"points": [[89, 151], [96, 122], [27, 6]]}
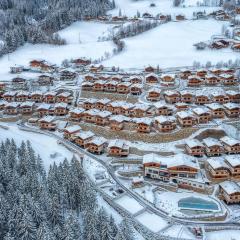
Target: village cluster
{"points": [[163, 102]]}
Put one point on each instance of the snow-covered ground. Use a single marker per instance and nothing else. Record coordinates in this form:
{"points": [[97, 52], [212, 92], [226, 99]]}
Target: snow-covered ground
{"points": [[88, 46], [224, 235], [152, 221], [171, 45], [178, 231], [47, 147], [130, 204], [130, 7]]}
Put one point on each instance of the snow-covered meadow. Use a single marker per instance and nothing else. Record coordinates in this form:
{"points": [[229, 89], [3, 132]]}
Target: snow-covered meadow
{"points": [[131, 7], [47, 147], [171, 45]]}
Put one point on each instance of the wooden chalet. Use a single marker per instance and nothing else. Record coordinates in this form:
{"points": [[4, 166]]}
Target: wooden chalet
{"points": [[217, 110], [76, 114], [64, 97], [26, 107], [154, 94], [3, 104], [194, 147], [149, 69], [186, 119], [82, 138], [151, 78], [231, 145], [141, 110], [45, 80], [233, 96], [167, 79], [211, 79], [232, 110], [201, 73], [87, 86], [36, 96], [47, 123], [203, 114], [165, 123], [70, 131], [181, 106], [143, 125], [201, 98], [172, 96], [89, 77], [61, 109], [43, 109], [19, 83], [41, 65], [22, 96], [187, 96], [110, 86], [136, 89], [136, 79], [230, 192], [12, 108], [89, 103], [81, 62], [180, 17], [118, 148], [66, 75], [49, 97], [96, 145], [9, 96], [228, 79], [124, 87], [184, 74], [116, 122], [102, 118], [2, 86], [213, 147], [163, 109], [117, 78], [194, 81], [233, 162], [101, 104], [217, 168], [99, 85]]}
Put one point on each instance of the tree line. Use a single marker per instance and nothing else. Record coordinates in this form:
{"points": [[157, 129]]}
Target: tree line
{"points": [[59, 205], [35, 21]]}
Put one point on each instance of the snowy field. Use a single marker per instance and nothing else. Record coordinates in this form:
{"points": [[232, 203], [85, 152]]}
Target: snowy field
{"points": [[130, 7], [171, 45], [88, 46], [224, 235], [178, 231], [152, 221], [43, 145], [129, 204]]}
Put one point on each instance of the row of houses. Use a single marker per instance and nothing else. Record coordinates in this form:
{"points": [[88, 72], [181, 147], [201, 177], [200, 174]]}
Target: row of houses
{"points": [[38, 96], [199, 97], [212, 146]]}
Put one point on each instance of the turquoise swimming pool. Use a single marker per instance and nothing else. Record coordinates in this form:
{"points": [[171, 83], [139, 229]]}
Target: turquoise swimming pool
{"points": [[197, 204]]}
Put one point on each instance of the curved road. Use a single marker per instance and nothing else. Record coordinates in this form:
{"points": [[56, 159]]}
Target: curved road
{"points": [[144, 203]]}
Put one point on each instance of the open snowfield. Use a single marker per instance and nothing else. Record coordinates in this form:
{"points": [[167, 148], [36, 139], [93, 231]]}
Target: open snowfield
{"points": [[152, 221], [43, 145], [223, 235], [130, 204], [130, 7], [178, 231], [171, 45], [86, 32]]}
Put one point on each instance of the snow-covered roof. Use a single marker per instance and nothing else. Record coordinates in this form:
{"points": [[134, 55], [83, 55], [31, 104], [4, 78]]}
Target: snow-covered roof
{"points": [[12, 105], [230, 141], [50, 93], [155, 90], [90, 100], [98, 141], [61, 105], [104, 114], [38, 92], [214, 106], [22, 93], [73, 128], [84, 134], [142, 106], [48, 119], [125, 84], [118, 143], [144, 120], [233, 160], [87, 84], [184, 114], [118, 118], [103, 101], [171, 92], [10, 93], [44, 106], [201, 93], [232, 92], [27, 104], [193, 143], [64, 94], [231, 106], [77, 110], [164, 119], [200, 110], [210, 142], [163, 105], [179, 159], [217, 162], [230, 187]]}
